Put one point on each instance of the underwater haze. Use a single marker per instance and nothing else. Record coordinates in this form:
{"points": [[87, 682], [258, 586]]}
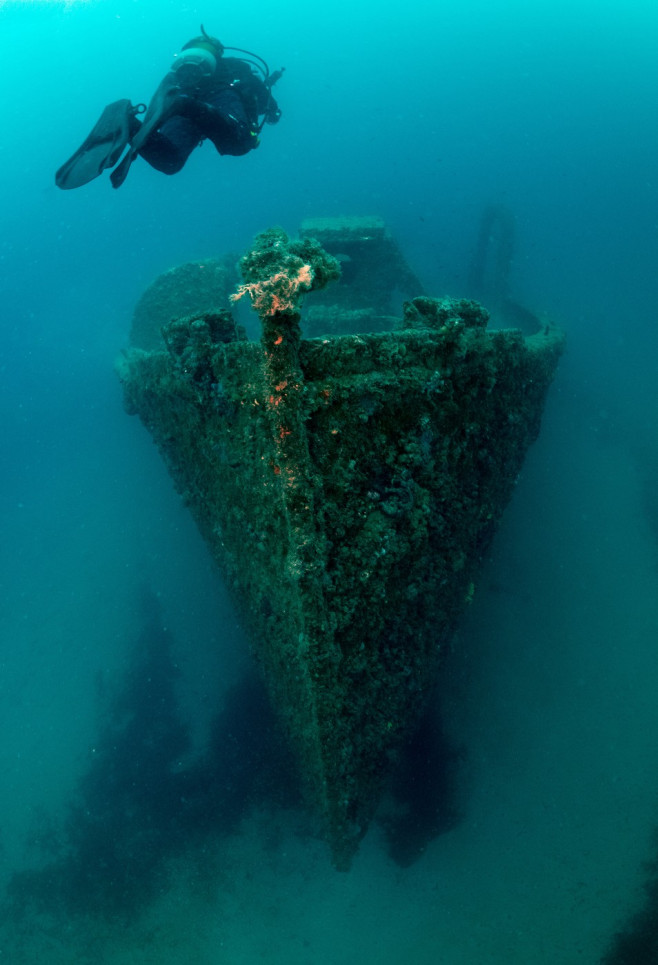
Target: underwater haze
{"points": [[148, 810]]}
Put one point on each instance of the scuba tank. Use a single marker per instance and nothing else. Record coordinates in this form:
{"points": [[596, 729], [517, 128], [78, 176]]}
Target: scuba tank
{"points": [[193, 66], [197, 61]]}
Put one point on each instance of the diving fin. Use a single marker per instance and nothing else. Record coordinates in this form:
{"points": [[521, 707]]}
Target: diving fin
{"points": [[102, 148], [163, 105]]}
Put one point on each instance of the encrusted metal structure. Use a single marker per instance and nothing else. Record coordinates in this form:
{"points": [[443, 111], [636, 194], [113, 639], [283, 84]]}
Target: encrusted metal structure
{"points": [[347, 488]]}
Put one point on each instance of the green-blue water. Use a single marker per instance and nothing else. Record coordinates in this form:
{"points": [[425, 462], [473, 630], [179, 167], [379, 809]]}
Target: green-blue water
{"points": [[116, 635]]}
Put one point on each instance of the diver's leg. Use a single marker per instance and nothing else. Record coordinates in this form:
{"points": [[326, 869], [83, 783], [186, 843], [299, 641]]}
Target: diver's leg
{"points": [[168, 148]]}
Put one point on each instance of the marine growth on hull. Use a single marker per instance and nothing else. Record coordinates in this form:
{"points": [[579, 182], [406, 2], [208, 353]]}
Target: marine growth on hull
{"points": [[347, 485]]}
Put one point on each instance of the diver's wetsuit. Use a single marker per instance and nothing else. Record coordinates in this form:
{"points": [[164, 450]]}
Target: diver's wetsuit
{"points": [[225, 111], [204, 96]]}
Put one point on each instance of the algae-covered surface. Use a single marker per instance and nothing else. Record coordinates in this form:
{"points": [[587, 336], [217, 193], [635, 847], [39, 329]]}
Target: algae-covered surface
{"points": [[347, 487], [192, 287]]}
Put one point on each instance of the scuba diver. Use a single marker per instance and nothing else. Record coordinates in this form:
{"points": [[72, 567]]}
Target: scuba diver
{"points": [[205, 95]]}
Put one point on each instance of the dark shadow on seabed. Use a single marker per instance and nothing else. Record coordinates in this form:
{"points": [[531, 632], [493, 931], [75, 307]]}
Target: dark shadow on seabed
{"points": [[137, 808]]}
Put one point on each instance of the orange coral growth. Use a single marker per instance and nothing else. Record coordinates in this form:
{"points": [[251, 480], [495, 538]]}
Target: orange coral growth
{"points": [[278, 293]]}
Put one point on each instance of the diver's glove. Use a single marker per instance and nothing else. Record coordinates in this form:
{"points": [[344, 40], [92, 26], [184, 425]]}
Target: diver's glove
{"points": [[273, 114]]}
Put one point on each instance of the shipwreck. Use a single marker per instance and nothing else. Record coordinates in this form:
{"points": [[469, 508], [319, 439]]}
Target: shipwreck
{"points": [[347, 485]]}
